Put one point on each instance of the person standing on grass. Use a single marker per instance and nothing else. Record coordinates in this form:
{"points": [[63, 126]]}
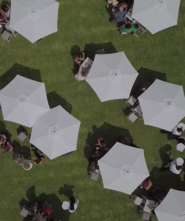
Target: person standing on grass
{"points": [[175, 166]]}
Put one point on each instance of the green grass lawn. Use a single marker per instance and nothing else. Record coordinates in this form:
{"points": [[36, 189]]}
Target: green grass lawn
{"points": [[85, 24]]}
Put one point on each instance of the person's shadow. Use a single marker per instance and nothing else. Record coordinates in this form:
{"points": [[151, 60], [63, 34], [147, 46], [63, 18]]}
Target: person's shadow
{"points": [[66, 190], [165, 157]]}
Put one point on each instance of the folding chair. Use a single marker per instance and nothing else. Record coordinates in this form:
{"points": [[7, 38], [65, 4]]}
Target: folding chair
{"points": [[146, 216], [132, 117], [141, 30], [13, 32], [102, 51], [137, 110], [136, 200], [94, 176], [22, 136], [24, 211], [131, 101], [6, 35]]}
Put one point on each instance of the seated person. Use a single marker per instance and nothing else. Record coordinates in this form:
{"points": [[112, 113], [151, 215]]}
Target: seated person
{"points": [[119, 13], [5, 9], [6, 147], [3, 139], [146, 184], [38, 161], [114, 3], [93, 165], [46, 213], [140, 89], [129, 28], [79, 58], [3, 20], [100, 143], [82, 73], [17, 157]]}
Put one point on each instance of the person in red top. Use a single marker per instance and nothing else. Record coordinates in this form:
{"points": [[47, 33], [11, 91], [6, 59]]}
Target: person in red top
{"points": [[47, 212]]}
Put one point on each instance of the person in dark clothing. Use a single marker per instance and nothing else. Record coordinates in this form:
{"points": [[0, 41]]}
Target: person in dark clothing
{"points": [[119, 14]]}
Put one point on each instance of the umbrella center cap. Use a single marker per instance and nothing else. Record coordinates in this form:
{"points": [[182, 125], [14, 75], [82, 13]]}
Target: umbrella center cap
{"points": [[161, 4], [23, 100], [33, 12], [168, 104], [114, 75], [126, 171], [54, 132]]}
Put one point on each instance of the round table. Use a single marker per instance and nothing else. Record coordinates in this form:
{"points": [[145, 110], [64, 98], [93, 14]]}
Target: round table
{"points": [[65, 205]]}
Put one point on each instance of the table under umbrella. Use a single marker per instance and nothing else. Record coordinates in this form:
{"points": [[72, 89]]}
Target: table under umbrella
{"points": [[34, 19], [112, 76], [23, 101], [156, 15], [55, 133], [163, 105], [123, 168], [172, 208]]}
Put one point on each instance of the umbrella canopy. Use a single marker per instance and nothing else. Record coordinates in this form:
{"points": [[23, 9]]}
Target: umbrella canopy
{"points": [[112, 76], [34, 19], [163, 105], [156, 15], [23, 101], [123, 168], [172, 208], [55, 133]]}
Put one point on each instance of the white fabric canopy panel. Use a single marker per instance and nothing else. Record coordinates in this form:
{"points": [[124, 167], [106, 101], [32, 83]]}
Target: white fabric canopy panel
{"points": [[172, 208], [156, 15], [23, 101], [55, 133], [112, 76], [163, 105], [34, 19], [123, 168]]}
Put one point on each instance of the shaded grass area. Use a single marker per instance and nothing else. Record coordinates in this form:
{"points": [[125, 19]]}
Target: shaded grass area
{"points": [[85, 24]]}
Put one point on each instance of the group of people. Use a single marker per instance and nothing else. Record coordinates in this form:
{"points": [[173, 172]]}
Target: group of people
{"points": [[17, 154], [119, 11]]}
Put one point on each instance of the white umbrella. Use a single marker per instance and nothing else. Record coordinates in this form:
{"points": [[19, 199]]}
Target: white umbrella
{"points": [[23, 101], [156, 15], [34, 19], [163, 105], [123, 168], [55, 133], [112, 76], [172, 208]]}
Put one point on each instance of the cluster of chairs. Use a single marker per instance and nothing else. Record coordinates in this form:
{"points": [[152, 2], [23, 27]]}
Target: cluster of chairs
{"points": [[8, 33]]}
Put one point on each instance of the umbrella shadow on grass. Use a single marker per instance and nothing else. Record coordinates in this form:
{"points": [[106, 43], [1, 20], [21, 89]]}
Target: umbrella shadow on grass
{"points": [[164, 155], [67, 190], [55, 99], [109, 132], [4, 131], [146, 77], [24, 71], [166, 179], [90, 49]]}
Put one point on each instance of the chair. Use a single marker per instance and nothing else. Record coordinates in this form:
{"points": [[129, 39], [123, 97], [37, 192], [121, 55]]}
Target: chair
{"points": [[136, 200], [131, 101], [6, 35], [94, 176], [13, 32], [22, 136], [146, 216], [141, 30], [102, 51], [132, 117], [137, 110], [24, 211], [121, 29]]}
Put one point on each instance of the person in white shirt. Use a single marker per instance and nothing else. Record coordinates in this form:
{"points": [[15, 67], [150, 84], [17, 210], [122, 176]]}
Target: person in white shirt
{"points": [[175, 166], [72, 206], [177, 130]]}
